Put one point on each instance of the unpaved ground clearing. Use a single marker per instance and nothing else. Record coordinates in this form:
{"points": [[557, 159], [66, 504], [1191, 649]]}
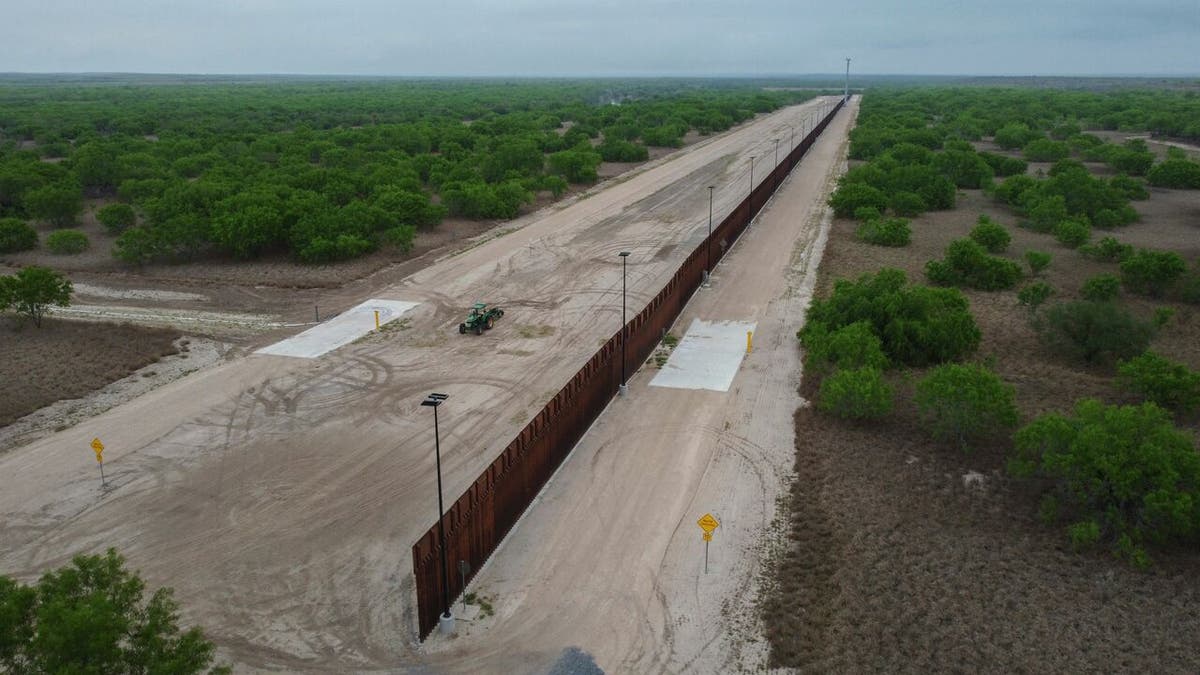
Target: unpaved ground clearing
{"points": [[65, 359], [281, 496], [610, 559], [906, 556]]}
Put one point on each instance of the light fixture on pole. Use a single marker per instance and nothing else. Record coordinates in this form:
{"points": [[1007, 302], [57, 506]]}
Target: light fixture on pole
{"points": [[446, 620], [624, 388], [708, 240]]}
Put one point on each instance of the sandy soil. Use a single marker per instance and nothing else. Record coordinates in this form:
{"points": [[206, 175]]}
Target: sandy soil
{"points": [[610, 560], [905, 556], [280, 497]]}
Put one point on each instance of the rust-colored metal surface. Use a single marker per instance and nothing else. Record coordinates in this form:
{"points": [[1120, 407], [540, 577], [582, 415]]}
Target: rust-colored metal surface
{"points": [[478, 520]]}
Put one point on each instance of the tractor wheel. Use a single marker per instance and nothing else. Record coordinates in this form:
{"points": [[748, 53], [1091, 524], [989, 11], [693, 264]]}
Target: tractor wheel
{"points": [[479, 329], [491, 322], [499, 313], [462, 329]]}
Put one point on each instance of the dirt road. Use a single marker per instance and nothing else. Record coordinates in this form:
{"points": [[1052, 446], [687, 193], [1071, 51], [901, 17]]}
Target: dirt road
{"points": [[281, 496], [610, 560]]}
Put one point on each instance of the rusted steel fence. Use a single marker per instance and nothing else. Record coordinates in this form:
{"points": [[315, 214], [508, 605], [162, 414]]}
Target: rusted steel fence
{"points": [[483, 515]]}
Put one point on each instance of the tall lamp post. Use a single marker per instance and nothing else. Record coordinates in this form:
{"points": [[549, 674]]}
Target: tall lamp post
{"points": [[446, 621], [708, 241], [624, 389], [752, 180]]}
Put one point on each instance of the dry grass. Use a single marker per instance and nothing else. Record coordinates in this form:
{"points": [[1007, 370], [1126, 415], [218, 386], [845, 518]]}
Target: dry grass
{"points": [[895, 564], [67, 359]]}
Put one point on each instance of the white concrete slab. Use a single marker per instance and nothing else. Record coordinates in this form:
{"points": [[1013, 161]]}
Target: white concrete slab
{"points": [[708, 356], [340, 330]]}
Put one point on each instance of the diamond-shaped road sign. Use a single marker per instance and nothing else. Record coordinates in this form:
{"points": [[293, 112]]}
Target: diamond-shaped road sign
{"points": [[708, 523]]}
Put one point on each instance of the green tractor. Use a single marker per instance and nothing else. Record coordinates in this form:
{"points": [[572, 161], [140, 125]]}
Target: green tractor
{"points": [[480, 317]]}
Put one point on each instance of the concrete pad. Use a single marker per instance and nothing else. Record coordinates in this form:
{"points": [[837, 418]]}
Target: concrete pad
{"points": [[340, 330], [708, 356]]}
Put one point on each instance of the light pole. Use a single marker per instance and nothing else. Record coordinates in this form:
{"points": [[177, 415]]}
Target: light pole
{"points": [[751, 180], [446, 621], [624, 389], [846, 94], [708, 241]]}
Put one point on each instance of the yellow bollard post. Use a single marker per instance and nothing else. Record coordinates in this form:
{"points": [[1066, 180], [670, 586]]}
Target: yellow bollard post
{"points": [[376, 319], [749, 341]]}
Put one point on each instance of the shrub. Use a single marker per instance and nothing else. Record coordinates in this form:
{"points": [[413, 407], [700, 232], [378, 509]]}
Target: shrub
{"points": [[885, 232], [991, 235], [1094, 332], [67, 242], [907, 204], [849, 347], [1015, 135], [1044, 212], [1045, 150], [1037, 261], [1072, 233], [965, 404], [1175, 173], [1107, 250], [400, 237], [1102, 288], [1132, 188], [1005, 166], [1151, 272], [917, 325], [116, 218], [849, 197], [15, 236], [867, 213], [33, 290], [1013, 190], [330, 249], [1033, 295], [1161, 381], [856, 394], [967, 264], [1189, 288], [1127, 469]]}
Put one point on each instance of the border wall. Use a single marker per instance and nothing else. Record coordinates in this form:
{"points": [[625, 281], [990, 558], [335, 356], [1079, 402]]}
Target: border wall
{"points": [[478, 521]]}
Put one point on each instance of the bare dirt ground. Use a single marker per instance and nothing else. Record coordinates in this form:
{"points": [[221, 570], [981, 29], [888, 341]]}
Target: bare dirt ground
{"points": [[905, 556], [280, 496], [65, 359]]}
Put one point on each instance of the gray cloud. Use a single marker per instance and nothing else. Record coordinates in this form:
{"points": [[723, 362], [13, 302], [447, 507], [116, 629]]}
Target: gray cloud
{"points": [[601, 37]]}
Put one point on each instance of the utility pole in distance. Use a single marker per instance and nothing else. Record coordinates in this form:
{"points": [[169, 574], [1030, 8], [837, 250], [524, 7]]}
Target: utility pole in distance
{"points": [[846, 96]]}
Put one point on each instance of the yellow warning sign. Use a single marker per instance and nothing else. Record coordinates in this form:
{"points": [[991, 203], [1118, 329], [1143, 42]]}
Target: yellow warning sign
{"points": [[97, 445], [708, 523], [708, 536]]}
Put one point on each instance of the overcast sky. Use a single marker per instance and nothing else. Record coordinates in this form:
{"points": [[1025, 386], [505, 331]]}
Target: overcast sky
{"points": [[602, 37]]}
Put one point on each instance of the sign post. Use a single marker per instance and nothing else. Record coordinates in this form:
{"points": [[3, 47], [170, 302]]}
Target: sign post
{"points": [[98, 448], [708, 524]]}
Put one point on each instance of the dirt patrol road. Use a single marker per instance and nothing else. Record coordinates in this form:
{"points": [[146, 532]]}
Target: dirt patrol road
{"points": [[280, 497]]}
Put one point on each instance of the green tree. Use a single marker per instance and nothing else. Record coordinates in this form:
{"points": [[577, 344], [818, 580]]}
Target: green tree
{"points": [[1072, 233], [855, 394], [1038, 261], [92, 617], [853, 346], [1101, 288], [991, 235], [1152, 272], [32, 290], [58, 205], [1035, 294], [15, 236], [965, 403], [1107, 249], [1094, 332], [67, 242], [577, 166], [1045, 150], [885, 231], [1175, 173], [1159, 380], [1126, 470], [849, 197], [917, 325], [116, 218]]}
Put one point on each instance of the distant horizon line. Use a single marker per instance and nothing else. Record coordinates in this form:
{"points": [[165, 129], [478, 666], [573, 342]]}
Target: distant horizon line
{"points": [[598, 76]]}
